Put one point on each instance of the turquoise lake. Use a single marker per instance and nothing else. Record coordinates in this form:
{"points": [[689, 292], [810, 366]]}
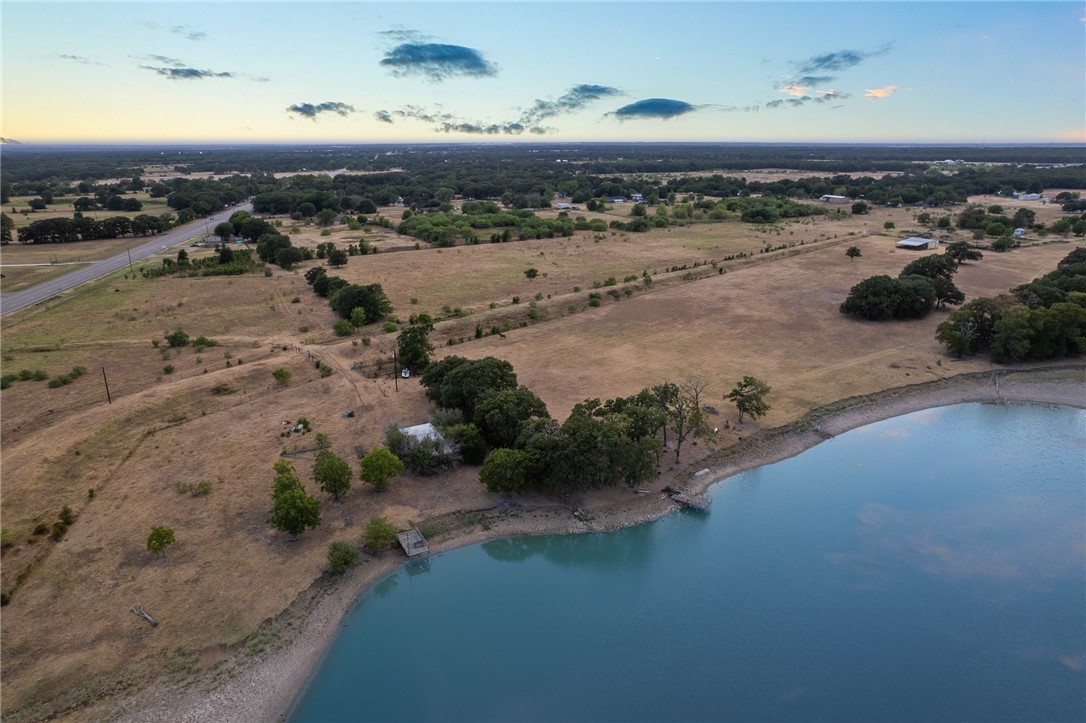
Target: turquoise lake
{"points": [[930, 567]]}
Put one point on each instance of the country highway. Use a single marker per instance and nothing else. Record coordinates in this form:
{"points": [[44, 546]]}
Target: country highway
{"points": [[174, 237]]}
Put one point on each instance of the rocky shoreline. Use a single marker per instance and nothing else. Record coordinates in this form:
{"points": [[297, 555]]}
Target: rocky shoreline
{"points": [[266, 689]]}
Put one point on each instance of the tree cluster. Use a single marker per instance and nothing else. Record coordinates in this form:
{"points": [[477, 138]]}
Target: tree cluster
{"points": [[922, 285], [82, 228], [1043, 319], [356, 303]]}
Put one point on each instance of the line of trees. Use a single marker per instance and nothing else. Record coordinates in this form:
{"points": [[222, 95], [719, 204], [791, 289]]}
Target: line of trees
{"points": [[82, 228]]}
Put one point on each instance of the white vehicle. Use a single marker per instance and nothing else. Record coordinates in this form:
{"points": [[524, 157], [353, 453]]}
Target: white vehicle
{"points": [[405, 373]]}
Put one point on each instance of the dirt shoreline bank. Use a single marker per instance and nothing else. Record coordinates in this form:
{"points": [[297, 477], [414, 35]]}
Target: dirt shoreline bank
{"points": [[266, 689]]}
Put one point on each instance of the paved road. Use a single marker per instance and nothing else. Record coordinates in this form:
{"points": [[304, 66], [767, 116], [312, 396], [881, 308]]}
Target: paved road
{"points": [[174, 237]]}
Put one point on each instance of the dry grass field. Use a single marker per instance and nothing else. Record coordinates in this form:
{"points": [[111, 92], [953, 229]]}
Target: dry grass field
{"points": [[219, 416]]}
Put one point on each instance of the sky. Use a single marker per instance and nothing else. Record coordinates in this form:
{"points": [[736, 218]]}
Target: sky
{"points": [[389, 72]]}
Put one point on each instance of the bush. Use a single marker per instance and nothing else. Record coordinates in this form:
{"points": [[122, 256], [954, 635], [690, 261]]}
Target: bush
{"points": [[168, 369], [341, 556], [343, 328], [380, 534], [177, 338], [66, 515], [282, 376]]}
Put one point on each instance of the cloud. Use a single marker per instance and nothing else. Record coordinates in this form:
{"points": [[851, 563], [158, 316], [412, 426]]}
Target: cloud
{"points": [[574, 99], [490, 129], [382, 116], [795, 89], [182, 30], [187, 73], [885, 92], [437, 62], [838, 60], [653, 108], [165, 60], [77, 59], [311, 111]]}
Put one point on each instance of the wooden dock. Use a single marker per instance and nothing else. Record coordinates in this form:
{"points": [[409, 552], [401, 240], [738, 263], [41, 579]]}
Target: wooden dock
{"points": [[413, 542], [697, 502]]}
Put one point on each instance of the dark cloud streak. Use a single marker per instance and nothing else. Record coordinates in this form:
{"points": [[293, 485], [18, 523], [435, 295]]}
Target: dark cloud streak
{"points": [[312, 110], [660, 108], [187, 73], [437, 62]]}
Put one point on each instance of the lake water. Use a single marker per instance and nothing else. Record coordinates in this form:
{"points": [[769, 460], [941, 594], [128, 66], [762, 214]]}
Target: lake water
{"points": [[928, 567]]}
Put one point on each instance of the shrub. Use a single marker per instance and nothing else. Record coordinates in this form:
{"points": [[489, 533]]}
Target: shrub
{"points": [[341, 556], [379, 534], [282, 376], [343, 328], [168, 369], [66, 515], [177, 338]]}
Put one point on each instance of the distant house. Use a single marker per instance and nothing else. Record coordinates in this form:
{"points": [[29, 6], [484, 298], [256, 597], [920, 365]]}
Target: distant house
{"points": [[616, 199], [636, 197], [830, 198], [917, 243], [1027, 197]]}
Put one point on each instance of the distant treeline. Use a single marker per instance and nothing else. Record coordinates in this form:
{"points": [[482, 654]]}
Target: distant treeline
{"points": [[38, 163]]}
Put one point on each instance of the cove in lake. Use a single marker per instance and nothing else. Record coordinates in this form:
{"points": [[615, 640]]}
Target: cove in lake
{"points": [[928, 567]]}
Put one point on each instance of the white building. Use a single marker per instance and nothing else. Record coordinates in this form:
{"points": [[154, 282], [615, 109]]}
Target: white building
{"points": [[830, 198], [917, 243]]}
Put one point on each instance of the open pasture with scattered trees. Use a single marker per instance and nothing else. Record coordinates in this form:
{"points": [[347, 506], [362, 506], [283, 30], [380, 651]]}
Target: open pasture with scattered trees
{"points": [[250, 434]]}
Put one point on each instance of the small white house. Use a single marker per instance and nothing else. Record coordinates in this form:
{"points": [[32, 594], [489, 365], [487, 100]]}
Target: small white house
{"points": [[427, 431], [636, 197], [1027, 197], [830, 198], [917, 243]]}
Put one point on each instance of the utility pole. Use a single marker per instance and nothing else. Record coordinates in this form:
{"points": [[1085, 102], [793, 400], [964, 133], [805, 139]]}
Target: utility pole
{"points": [[106, 382], [130, 261], [395, 371]]}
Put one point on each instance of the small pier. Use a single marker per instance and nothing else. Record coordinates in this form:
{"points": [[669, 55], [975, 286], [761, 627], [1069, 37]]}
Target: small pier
{"points": [[413, 542], [696, 502]]}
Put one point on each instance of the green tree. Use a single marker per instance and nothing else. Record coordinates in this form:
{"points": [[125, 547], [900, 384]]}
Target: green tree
{"points": [[159, 539], [413, 347], [341, 556], [749, 396], [293, 511], [225, 231], [933, 266], [378, 467], [337, 258], [860, 208], [853, 252], [889, 225], [332, 474], [506, 470], [881, 298], [379, 534], [499, 415], [1012, 335], [282, 376], [531, 273], [468, 382], [962, 251], [7, 226]]}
